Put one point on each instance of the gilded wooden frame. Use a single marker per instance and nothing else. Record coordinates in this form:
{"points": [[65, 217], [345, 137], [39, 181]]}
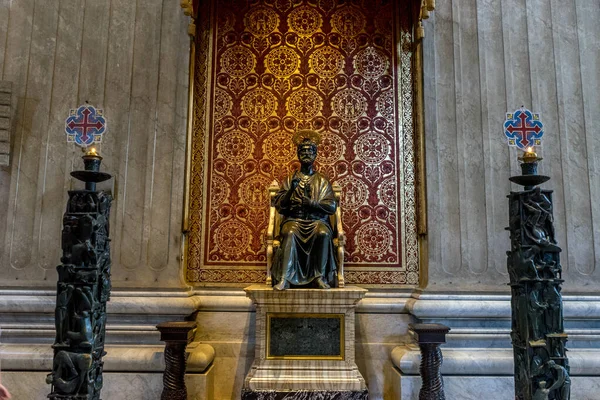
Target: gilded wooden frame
{"points": [[414, 208]]}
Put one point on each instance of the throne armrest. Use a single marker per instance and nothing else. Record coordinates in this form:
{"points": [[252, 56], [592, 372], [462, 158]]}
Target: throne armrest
{"points": [[339, 235], [272, 228]]}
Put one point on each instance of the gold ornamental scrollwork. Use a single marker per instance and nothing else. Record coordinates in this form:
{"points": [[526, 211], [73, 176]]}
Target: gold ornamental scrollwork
{"points": [[427, 6], [190, 9]]}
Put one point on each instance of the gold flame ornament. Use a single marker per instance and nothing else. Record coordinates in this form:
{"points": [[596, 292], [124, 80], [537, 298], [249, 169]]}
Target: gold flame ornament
{"points": [[530, 156]]}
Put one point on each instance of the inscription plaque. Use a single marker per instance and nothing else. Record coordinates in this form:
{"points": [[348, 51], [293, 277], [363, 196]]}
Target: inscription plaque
{"points": [[305, 336]]}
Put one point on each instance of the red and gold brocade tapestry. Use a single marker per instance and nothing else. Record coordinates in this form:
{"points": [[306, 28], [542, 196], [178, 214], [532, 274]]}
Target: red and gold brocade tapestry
{"points": [[268, 68]]}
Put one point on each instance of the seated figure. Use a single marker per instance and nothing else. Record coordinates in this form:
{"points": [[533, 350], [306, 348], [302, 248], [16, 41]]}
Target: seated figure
{"points": [[306, 201]]}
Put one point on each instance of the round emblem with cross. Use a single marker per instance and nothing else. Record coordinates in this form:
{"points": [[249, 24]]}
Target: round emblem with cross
{"points": [[85, 125], [523, 129]]}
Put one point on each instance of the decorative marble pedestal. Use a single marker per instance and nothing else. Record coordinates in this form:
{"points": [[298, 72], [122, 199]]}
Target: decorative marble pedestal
{"points": [[304, 343]]}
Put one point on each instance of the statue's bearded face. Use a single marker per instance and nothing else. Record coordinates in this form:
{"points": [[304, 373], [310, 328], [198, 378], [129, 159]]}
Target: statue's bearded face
{"points": [[307, 153]]}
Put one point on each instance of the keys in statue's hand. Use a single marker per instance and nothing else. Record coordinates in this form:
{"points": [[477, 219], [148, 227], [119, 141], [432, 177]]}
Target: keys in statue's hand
{"points": [[306, 202]]}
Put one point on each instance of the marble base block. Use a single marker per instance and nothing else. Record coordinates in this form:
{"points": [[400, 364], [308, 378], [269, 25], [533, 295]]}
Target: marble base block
{"points": [[309, 364]]}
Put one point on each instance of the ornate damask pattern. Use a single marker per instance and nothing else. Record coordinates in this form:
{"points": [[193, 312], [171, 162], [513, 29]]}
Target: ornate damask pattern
{"points": [[280, 66]]}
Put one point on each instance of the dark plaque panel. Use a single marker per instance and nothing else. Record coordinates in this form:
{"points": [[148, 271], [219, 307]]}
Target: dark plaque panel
{"points": [[305, 336]]}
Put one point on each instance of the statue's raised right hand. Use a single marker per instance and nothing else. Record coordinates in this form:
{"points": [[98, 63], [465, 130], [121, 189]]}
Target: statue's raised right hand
{"points": [[295, 181]]}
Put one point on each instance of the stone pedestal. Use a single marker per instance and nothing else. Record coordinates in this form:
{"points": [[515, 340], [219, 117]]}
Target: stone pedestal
{"points": [[304, 342]]}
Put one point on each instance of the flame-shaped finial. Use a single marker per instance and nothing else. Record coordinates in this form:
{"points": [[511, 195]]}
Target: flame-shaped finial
{"points": [[530, 156]]}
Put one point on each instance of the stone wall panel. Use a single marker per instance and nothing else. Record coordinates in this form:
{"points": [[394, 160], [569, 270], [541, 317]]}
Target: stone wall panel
{"points": [[538, 54], [130, 60]]}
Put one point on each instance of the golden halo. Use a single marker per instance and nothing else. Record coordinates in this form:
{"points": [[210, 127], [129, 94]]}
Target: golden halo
{"points": [[303, 134]]}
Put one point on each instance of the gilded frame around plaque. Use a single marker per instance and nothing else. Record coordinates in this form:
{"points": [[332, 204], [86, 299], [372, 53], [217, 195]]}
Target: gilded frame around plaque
{"points": [[341, 317]]}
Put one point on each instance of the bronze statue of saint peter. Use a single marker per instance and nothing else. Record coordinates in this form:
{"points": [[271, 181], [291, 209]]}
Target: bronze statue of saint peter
{"points": [[306, 200]]}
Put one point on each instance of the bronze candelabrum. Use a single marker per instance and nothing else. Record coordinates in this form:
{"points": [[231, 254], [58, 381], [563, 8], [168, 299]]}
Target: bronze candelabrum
{"points": [[538, 338], [83, 289]]}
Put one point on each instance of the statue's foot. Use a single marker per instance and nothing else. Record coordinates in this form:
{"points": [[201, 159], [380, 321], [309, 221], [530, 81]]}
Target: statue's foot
{"points": [[537, 343], [283, 285], [321, 284]]}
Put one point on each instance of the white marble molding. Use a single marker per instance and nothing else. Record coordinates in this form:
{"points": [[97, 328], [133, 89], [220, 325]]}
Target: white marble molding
{"points": [[478, 355], [134, 363]]}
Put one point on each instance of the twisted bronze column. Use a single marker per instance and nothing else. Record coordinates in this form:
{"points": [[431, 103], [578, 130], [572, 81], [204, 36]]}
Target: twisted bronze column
{"points": [[176, 335], [429, 337]]}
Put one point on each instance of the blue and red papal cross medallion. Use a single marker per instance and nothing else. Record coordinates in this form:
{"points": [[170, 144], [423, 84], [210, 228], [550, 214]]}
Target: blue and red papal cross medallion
{"points": [[523, 129], [85, 126]]}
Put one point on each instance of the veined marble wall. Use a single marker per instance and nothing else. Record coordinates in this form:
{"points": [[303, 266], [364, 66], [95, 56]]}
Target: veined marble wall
{"points": [[131, 59], [483, 58]]}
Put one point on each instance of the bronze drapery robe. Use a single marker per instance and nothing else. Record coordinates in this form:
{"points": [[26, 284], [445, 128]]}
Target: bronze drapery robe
{"points": [[306, 251]]}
